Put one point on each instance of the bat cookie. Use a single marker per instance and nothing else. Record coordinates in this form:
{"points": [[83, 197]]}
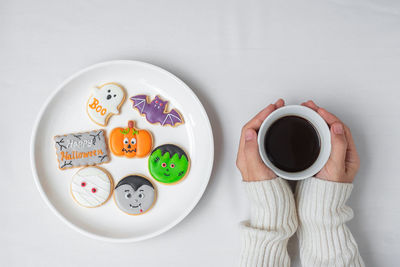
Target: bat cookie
{"points": [[81, 149], [156, 110], [168, 164], [91, 187], [104, 102], [134, 195], [130, 142]]}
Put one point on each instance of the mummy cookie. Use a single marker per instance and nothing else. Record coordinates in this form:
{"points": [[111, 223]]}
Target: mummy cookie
{"points": [[91, 187], [81, 149], [168, 164], [134, 195], [130, 142], [104, 102], [156, 110]]}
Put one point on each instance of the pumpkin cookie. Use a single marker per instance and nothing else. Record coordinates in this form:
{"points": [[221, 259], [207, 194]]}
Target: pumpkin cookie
{"points": [[130, 142]]}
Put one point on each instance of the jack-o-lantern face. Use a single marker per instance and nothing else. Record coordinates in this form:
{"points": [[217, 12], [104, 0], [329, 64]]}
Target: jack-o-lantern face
{"points": [[130, 142], [130, 145]]}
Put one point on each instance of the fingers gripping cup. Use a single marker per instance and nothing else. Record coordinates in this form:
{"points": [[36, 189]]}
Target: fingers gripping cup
{"points": [[294, 142]]}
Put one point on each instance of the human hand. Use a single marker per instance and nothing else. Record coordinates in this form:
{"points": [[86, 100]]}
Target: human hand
{"points": [[343, 163], [248, 161]]}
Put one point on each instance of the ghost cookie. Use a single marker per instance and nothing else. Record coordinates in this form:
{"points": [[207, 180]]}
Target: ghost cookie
{"points": [[168, 164], [134, 195], [104, 102], [91, 187]]}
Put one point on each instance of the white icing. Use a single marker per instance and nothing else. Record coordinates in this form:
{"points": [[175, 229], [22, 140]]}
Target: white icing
{"points": [[104, 102], [93, 178]]}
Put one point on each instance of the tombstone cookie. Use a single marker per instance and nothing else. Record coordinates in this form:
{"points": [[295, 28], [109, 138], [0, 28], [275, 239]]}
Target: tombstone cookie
{"points": [[81, 149], [104, 102], [135, 195]]}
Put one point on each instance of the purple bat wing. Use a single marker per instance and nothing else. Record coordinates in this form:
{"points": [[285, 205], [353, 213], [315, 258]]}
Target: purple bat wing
{"points": [[172, 118], [139, 102]]}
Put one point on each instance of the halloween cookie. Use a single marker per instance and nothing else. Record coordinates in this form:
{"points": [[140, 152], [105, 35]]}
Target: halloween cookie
{"points": [[104, 102], [130, 142], [135, 195], [168, 164], [156, 110], [91, 187], [81, 149]]}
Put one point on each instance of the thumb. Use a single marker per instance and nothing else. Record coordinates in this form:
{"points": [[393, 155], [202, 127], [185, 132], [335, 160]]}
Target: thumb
{"points": [[339, 145], [256, 169]]}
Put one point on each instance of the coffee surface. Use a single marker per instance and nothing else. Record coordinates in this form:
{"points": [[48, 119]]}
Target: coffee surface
{"points": [[292, 144]]}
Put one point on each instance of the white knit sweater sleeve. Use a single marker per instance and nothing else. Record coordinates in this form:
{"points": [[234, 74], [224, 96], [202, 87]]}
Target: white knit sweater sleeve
{"points": [[324, 239], [272, 221]]}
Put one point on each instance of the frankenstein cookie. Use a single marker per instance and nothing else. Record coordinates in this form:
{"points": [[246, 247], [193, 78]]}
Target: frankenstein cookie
{"points": [[168, 164], [134, 195], [156, 110], [130, 142], [81, 149], [104, 102], [91, 187]]}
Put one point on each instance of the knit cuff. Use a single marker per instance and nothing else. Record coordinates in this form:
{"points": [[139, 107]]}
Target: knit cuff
{"points": [[264, 248], [271, 204], [323, 201]]}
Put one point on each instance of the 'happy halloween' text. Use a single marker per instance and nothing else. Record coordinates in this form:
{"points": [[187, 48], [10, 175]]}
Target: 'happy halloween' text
{"points": [[79, 155]]}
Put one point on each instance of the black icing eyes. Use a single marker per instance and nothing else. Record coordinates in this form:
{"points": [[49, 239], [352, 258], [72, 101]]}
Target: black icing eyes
{"points": [[115, 95], [129, 195], [109, 91]]}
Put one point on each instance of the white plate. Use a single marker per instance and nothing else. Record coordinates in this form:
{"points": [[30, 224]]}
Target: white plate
{"points": [[65, 113]]}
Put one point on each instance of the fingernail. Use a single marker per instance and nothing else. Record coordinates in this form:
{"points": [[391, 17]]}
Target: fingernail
{"points": [[338, 128], [249, 135]]}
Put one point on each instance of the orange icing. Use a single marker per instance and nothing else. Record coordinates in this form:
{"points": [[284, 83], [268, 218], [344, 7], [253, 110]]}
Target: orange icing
{"points": [[99, 109], [122, 144]]}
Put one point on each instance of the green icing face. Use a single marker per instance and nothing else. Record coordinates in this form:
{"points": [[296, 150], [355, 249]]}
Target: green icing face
{"points": [[166, 169]]}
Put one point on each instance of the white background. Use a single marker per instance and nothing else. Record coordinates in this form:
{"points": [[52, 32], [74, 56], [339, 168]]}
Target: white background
{"points": [[237, 56]]}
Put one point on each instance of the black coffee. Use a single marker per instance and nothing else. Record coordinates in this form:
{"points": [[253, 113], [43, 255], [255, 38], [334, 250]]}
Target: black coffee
{"points": [[292, 144]]}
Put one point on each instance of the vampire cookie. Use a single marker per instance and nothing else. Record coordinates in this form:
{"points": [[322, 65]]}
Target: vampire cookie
{"points": [[135, 195]]}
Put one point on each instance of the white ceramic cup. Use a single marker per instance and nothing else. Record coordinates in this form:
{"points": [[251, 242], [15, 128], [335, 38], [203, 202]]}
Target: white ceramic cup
{"points": [[320, 126]]}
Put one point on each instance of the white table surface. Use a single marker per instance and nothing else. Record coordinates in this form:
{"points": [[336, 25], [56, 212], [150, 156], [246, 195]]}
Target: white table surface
{"points": [[237, 56]]}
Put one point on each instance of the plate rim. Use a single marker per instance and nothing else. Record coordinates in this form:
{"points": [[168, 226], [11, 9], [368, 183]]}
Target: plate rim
{"points": [[58, 213]]}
